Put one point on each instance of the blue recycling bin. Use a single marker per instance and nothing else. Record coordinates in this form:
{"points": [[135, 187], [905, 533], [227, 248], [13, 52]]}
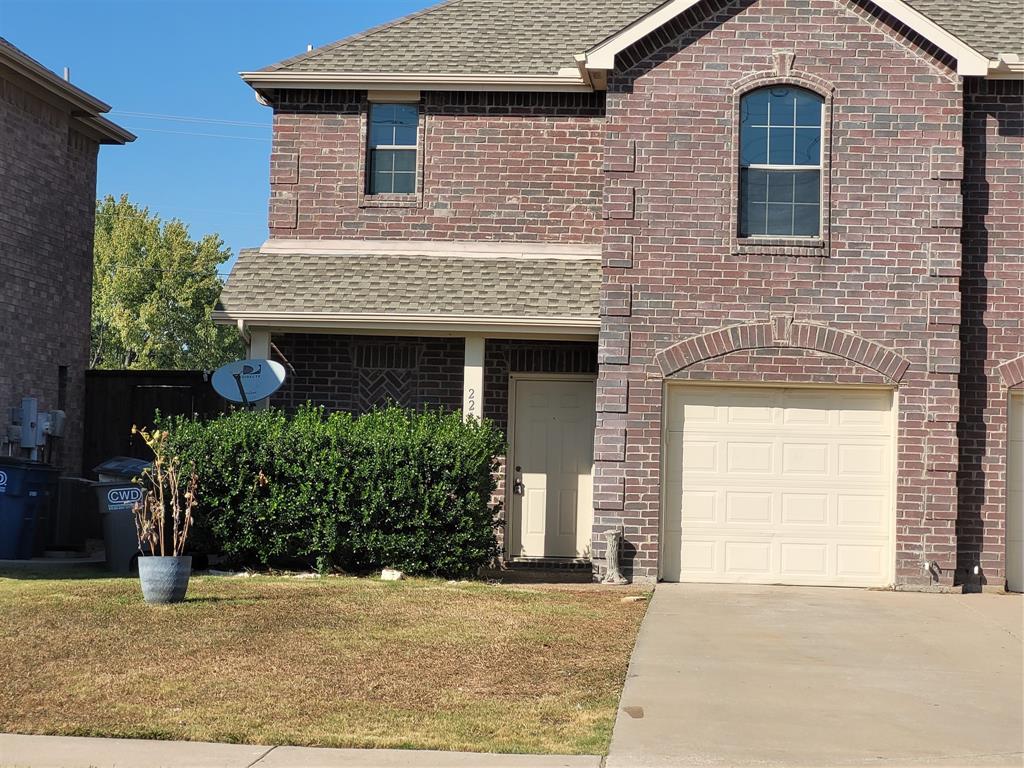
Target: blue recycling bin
{"points": [[27, 490]]}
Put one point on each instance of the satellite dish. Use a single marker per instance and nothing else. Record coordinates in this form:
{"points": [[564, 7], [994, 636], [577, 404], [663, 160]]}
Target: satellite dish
{"points": [[248, 381]]}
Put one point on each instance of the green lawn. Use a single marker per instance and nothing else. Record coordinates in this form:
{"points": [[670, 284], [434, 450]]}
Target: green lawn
{"points": [[338, 662]]}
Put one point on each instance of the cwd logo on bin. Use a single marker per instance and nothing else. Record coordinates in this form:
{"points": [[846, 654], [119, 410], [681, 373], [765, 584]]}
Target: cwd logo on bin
{"points": [[3, 481], [119, 498]]}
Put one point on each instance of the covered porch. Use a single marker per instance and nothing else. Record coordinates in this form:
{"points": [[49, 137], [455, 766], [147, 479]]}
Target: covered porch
{"points": [[506, 332]]}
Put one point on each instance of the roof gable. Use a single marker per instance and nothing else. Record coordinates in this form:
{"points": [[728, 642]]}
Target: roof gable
{"points": [[969, 61]]}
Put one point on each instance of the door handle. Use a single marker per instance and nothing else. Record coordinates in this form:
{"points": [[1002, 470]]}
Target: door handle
{"points": [[517, 485]]}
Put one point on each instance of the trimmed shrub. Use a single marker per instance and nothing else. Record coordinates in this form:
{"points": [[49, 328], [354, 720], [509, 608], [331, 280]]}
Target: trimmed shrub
{"points": [[393, 488]]}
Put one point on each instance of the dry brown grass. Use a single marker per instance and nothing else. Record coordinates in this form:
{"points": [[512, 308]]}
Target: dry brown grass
{"points": [[338, 662]]}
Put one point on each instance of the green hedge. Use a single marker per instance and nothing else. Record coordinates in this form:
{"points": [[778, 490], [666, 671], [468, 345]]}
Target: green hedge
{"points": [[393, 488]]}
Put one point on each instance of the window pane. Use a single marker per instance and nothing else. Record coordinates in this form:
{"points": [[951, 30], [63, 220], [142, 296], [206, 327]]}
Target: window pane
{"points": [[780, 219], [382, 121], [780, 186], [404, 160], [781, 106], [753, 145], [806, 220], [780, 146], [754, 108], [404, 183], [808, 108], [380, 183], [754, 185], [752, 219], [808, 146], [807, 187], [393, 124]]}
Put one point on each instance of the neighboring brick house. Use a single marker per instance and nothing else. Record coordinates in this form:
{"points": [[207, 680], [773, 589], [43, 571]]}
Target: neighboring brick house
{"points": [[741, 277], [50, 133]]}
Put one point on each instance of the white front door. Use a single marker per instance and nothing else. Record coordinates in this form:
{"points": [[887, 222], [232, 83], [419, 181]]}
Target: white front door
{"points": [[552, 466], [1015, 496], [773, 485]]}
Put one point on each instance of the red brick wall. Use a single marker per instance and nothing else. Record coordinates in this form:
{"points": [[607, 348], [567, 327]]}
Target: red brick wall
{"points": [[496, 167], [47, 203], [888, 277], [993, 302]]}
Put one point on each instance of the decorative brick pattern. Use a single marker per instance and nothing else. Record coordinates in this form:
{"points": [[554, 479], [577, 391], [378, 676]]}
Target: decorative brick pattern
{"points": [[47, 215]]}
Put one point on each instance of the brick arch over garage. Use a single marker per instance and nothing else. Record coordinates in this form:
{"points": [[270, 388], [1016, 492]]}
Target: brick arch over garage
{"points": [[784, 334]]}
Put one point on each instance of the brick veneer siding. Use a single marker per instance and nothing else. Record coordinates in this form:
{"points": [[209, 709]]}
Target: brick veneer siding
{"points": [[495, 167], [879, 307], [47, 204], [991, 334]]}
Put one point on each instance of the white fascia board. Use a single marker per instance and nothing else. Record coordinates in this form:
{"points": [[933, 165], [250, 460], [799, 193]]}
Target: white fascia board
{"points": [[568, 80], [1007, 66], [477, 249], [502, 326], [969, 61]]}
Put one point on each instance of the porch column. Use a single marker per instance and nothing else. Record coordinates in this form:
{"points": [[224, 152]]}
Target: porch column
{"points": [[259, 349], [259, 345], [473, 378]]}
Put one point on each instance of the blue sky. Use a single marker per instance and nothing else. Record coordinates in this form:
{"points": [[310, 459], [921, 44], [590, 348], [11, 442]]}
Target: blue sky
{"points": [[180, 59]]}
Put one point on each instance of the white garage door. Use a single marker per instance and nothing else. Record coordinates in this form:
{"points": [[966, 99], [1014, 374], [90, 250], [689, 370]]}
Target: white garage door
{"points": [[778, 486], [1015, 496]]}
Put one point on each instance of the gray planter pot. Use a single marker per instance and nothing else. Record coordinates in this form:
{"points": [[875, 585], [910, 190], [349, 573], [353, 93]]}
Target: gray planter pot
{"points": [[164, 579]]}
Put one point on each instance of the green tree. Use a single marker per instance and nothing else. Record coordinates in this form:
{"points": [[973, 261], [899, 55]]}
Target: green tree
{"points": [[154, 289]]}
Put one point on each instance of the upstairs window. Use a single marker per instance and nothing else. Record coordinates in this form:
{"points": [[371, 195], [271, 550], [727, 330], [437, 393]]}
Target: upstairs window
{"points": [[393, 138], [780, 163]]}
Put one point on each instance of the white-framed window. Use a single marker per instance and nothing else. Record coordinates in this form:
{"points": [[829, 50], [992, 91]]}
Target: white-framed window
{"points": [[392, 144], [780, 163]]}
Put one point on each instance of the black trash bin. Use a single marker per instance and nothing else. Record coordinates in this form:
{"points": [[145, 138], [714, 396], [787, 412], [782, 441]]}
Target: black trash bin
{"points": [[27, 490], [117, 496]]}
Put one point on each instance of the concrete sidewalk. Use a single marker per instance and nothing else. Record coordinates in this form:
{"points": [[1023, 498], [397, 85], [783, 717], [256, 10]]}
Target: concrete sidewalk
{"points": [[790, 676], [69, 752]]}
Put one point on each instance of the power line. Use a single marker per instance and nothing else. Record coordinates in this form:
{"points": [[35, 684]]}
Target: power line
{"points": [[208, 135], [185, 119]]}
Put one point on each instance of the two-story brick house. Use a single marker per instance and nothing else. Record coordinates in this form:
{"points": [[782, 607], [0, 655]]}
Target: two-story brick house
{"points": [[50, 135], [741, 277]]}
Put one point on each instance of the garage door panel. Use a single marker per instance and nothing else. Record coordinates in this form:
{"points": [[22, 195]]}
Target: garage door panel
{"points": [[805, 509], [749, 457], [791, 495]]}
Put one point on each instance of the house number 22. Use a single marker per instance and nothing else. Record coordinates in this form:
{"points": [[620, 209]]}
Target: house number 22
{"points": [[471, 402]]}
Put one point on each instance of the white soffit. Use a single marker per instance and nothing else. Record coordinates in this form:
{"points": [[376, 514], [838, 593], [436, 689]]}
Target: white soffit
{"points": [[969, 61]]}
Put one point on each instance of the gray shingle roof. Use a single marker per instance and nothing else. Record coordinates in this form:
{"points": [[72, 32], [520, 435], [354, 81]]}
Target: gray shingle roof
{"points": [[539, 37], [989, 26], [489, 37], [413, 285]]}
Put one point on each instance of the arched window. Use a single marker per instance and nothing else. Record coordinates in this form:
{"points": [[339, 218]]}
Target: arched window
{"points": [[780, 162]]}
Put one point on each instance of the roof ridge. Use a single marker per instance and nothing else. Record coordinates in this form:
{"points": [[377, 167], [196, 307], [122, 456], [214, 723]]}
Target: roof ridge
{"points": [[360, 35]]}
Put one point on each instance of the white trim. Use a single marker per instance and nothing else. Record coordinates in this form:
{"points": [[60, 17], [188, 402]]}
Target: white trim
{"points": [[969, 60], [259, 344], [568, 79], [469, 249], [393, 97], [510, 466], [473, 378], [419, 325], [1007, 66]]}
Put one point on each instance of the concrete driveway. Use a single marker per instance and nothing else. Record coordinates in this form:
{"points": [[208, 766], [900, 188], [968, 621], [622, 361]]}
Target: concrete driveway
{"points": [[793, 676]]}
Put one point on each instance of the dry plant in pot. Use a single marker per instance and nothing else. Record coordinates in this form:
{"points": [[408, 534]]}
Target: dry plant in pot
{"points": [[163, 519]]}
